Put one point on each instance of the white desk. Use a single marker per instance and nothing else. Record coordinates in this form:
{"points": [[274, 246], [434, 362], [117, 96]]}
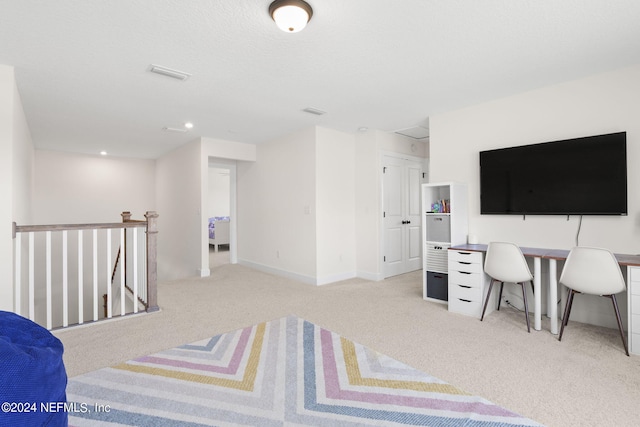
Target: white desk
{"points": [[553, 256]]}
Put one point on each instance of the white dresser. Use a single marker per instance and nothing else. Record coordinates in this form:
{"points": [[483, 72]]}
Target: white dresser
{"points": [[633, 301], [468, 283]]}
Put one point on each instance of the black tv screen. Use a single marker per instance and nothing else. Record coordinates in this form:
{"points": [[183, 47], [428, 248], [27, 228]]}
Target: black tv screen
{"points": [[581, 176]]}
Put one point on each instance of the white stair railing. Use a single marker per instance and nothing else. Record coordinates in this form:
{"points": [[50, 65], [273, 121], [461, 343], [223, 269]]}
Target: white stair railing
{"points": [[63, 276]]}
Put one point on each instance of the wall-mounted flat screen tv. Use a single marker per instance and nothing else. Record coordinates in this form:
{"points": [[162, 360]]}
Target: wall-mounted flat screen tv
{"points": [[581, 176]]}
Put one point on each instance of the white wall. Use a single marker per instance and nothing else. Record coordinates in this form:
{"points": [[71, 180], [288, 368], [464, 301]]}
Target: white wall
{"points": [[368, 206], [178, 193], [16, 166], [368, 202], [227, 155], [75, 188], [335, 202], [309, 207], [219, 197], [23, 164], [599, 104], [277, 207]]}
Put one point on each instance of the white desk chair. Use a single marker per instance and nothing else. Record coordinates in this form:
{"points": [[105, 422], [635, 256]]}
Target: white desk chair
{"points": [[592, 271], [505, 263]]}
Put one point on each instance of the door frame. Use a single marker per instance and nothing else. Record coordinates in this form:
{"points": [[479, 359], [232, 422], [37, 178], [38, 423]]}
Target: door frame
{"points": [[381, 231], [233, 223]]}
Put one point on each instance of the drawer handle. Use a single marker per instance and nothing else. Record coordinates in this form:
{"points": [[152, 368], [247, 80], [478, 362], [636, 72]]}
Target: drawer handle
{"points": [[465, 300], [464, 272], [464, 262], [464, 286], [464, 253]]}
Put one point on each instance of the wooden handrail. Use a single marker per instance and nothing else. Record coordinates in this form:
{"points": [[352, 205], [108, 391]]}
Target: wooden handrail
{"points": [[150, 227], [60, 227]]}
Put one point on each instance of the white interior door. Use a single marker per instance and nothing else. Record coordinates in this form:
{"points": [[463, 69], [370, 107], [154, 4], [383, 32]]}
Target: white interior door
{"points": [[401, 215]]}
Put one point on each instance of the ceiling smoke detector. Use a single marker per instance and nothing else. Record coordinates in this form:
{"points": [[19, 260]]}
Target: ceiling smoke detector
{"points": [[168, 72]]}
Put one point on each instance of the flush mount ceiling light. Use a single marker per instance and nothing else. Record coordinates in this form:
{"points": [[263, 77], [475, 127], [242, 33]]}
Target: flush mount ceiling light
{"points": [[290, 16]]}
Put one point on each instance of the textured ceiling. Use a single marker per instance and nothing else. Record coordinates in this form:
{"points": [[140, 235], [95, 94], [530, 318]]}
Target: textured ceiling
{"points": [[81, 66]]}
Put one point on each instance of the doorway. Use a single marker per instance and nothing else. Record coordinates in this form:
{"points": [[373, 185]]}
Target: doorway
{"points": [[221, 210], [402, 225]]}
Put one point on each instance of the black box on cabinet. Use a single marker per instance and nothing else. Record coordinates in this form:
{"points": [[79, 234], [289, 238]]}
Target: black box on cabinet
{"points": [[437, 285]]}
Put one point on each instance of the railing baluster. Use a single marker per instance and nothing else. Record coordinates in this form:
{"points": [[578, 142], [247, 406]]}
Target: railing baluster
{"points": [[80, 281], [108, 273], [32, 297], [135, 270], [18, 271], [123, 262], [95, 274], [48, 279], [43, 288], [65, 281]]}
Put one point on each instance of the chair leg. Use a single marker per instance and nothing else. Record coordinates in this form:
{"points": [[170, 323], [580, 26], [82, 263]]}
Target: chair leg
{"points": [[526, 308], [500, 295], [615, 307], [567, 311], [486, 301]]}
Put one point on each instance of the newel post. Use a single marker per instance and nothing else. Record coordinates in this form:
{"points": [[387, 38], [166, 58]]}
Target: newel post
{"points": [[152, 262], [126, 216]]}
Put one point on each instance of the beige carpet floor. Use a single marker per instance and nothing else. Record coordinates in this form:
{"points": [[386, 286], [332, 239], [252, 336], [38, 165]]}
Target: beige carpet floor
{"points": [[585, 380]]}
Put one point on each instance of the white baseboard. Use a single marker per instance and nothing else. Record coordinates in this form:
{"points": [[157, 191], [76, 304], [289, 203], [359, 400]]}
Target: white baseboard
{"points": [[278, 272], [309, 280], [374, 277]]}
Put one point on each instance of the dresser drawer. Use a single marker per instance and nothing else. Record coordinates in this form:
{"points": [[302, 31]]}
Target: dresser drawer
{"points": [[466, 256], [466, 266], [635, 306], [464, 278], [634, 273], [634, 288], [635, 323], [634, 343], [465, 292], [468, 308]]}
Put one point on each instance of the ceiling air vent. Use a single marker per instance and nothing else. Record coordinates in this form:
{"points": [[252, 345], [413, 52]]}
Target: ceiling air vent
{"points": [[168, 72], [315, 111], [168, 129], [416, 132]]}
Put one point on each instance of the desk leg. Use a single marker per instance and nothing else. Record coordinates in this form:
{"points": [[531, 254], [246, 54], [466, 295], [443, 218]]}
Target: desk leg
{"points": [[553, 296], [537, 325]]}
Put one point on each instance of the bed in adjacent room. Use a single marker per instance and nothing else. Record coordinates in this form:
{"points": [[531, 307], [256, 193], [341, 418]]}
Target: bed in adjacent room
{"points": [[218, 231]]}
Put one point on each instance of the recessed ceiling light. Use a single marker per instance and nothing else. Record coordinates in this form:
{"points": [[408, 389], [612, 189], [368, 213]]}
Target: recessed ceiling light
{"points": [[103, 153], [363, 129], [188, 125]]}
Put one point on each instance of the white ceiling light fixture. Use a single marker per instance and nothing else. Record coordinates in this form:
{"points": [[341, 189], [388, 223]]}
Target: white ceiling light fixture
{"points": [[291, 16], [188, 125]]}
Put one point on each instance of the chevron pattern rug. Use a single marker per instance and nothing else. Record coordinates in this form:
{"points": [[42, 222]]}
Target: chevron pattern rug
{"points": [[280, 373]]}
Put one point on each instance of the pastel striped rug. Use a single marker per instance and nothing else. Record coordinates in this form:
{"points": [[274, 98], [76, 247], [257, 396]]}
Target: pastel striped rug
{"points": [[281, 373]]}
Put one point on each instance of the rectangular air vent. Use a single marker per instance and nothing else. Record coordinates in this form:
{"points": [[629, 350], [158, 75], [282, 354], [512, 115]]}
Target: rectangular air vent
{"points": [[168, 129], [416, 132], [168, 72], [315, 111]]}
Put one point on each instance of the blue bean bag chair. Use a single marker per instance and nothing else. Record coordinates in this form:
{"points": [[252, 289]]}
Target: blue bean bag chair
{"points": [[32, 374]]}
